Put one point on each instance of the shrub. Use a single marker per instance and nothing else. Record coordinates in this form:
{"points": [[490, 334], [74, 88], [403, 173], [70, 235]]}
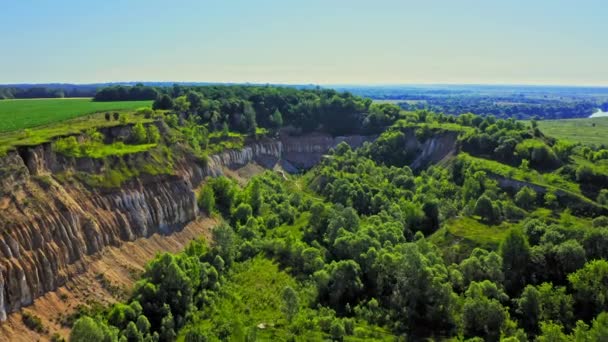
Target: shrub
{"points": [[153, 134], [140, 135], [601, 221], [206, 199], [33, 322], [525, 198], [145, 111]]}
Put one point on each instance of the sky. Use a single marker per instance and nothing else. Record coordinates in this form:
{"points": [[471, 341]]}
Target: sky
{"points": [[306, 41]]}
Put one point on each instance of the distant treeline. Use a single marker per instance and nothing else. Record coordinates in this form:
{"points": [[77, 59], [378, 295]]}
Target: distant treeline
{"points": [[9, 92], [244, 108], [505, 107], [127, 93]]}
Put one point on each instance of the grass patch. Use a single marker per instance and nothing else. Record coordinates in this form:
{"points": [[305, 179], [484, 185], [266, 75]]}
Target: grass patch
{"points": [[28, 113], [590, 131], [47, 133], [250, 304], [531, 175], [100, 150], [459, 236]]}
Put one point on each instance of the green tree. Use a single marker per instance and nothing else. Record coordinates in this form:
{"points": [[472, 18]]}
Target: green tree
{"points": [[163, 102], [206, 199], [290, 303], [181, 104], [242, 213], [255, 196], [529, 308], [552, 332], [140, 135], [485, 208], [483, 316], [276, 120], [602, 198], [525, 198], [515, 253], [590, 286], [87, 329], [153, 134]]}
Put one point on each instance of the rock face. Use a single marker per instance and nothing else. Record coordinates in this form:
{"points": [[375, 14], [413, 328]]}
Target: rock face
{"points": [[49, 227], [433, 149]]}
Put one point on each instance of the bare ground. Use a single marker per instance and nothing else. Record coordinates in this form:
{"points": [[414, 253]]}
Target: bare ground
{"points": [[106, 277]]}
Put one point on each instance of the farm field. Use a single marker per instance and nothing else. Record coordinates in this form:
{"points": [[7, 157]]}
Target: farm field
{"points": [[21, 114], [577, 130]]}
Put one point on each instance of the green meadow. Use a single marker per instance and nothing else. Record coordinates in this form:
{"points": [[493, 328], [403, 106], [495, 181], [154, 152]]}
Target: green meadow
{"points": [[21, 114], [587, 131]]}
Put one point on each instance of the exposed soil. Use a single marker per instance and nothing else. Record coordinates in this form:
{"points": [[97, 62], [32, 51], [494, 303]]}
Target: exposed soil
{"points": [[109, 275]]}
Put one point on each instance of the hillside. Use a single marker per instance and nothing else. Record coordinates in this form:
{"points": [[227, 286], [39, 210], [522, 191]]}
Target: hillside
{"points": [[392, 225]]}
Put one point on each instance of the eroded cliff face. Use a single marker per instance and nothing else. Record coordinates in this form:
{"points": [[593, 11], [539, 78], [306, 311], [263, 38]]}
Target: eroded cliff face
{"points": [[48, 225]]}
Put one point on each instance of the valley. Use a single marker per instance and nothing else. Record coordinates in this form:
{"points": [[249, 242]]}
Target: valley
{"points": [[268, 213]]}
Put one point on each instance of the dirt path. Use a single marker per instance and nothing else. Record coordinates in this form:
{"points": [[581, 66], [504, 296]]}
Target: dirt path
{"points": [[106, 278]]}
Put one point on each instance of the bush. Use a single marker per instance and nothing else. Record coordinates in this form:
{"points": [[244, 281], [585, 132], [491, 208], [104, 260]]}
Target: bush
{"points": [[140, 135], [33, 322], [145, 111], [601, 221], [153, 135], [525, 198], [206, 200]]}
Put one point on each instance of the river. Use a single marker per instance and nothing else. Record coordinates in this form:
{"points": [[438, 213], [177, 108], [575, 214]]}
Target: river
{"points": [[599, 114]]}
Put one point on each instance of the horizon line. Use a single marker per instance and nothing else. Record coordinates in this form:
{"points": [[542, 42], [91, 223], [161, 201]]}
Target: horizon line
{"points": [[348, 84]]}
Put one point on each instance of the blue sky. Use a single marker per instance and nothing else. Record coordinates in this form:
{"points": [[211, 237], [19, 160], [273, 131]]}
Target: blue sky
{"points": [[312, 41]]}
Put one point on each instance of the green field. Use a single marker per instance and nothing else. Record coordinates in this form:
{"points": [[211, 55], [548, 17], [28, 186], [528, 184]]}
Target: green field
{"points": [[577, 130], [20, 114]]}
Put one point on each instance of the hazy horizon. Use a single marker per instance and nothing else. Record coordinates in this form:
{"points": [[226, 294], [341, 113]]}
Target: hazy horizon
{"points": [[387, 42]]}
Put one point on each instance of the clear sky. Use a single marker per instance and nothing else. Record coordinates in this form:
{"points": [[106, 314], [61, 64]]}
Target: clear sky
{"points": [[306, 41]]}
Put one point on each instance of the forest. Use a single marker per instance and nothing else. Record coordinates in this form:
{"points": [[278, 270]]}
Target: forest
{"points": [[505, 239]]}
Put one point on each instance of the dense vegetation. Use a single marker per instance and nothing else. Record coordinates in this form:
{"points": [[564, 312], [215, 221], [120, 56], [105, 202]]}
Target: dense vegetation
{"points": [[245, 108], [507, 240], [42, 91], [505, 107]]}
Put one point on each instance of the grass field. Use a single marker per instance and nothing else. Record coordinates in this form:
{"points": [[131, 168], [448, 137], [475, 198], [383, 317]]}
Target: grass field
{"points": [[577, 130], [21, 114]]}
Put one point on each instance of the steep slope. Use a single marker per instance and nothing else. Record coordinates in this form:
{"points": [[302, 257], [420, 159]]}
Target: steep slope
{"points": [[50, 224]]}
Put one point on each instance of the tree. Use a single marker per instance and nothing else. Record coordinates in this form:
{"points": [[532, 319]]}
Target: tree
{"points": [[290, 303], [482, 315], [525, 198], [140, 135], [153, 134], [431, 216], [337, 330], [515, 253], [482, 265], [529, 308], [602, 198], [485, 209], [87, 329], [340, 284], [163, 102], [242, 213], [181, 104], [255, 196], [116, 116], [552, 332], [276, 120], [108, 116], [590, 286], [206, 199]]}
